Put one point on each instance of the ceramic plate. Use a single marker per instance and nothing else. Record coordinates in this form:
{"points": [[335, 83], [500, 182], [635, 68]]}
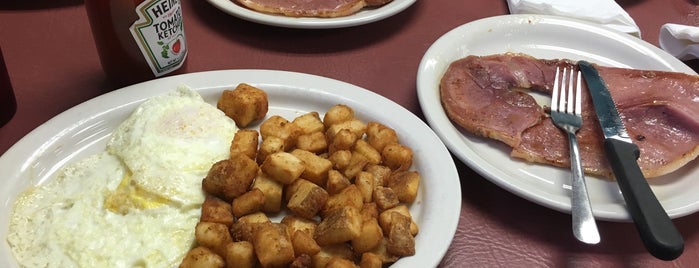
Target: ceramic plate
{"points": [[364, 16], [547, 38], [83, 130]]}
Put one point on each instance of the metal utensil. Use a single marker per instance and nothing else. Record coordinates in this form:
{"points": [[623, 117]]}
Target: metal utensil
{"points": [[566, 113], [657, 231]]}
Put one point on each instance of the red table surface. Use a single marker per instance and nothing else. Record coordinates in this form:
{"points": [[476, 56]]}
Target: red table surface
{"points": [[53, 65]]}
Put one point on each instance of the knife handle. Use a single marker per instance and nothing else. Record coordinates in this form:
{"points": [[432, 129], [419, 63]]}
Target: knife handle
{"points": [[659, 234]]}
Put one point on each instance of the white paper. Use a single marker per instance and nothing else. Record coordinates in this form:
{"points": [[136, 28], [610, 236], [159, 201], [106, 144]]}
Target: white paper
{"points": [[681, 41], [604, 12]]}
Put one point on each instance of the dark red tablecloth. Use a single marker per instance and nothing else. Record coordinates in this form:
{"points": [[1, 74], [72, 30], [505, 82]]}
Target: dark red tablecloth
{"points": [[53, 65]]}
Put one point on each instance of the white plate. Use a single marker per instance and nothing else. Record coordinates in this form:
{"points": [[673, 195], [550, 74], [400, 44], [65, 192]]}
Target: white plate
{"points": [[549, 38], [364, 16], [83, 130]]}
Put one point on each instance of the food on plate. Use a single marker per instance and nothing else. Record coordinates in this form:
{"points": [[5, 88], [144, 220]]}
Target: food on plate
{"points": [[487, 96], [136, 203], [244, 104], [344, 203], [311, 8]]}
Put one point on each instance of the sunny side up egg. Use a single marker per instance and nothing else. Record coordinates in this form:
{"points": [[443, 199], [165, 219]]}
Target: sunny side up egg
{"points": [[134, 205]]}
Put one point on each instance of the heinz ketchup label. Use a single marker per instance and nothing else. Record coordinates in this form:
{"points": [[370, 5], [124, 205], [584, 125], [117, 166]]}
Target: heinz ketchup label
{"points": [[159, 33]]}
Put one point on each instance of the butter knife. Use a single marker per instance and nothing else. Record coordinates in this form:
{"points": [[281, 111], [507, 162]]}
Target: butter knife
{"points": [[654, 226]]}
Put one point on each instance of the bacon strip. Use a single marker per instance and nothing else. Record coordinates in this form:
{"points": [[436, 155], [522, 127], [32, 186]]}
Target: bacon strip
{"points": [[488, 96]]}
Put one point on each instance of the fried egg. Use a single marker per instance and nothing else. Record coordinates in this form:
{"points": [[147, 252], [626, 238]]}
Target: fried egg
{"points": [[135, 204]]}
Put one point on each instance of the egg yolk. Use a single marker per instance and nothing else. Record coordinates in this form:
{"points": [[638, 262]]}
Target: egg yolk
{"points": [[129, 196]]}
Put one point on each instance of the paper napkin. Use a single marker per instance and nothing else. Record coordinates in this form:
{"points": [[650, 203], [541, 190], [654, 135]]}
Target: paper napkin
{"points": [[681, 41], [604, 12]]}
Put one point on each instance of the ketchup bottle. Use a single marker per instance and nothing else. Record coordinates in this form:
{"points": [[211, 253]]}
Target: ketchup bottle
{"points": [[138, 40]]}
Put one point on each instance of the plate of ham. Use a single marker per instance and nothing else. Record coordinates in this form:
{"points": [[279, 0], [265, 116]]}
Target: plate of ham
{"points": [[507, 137], [345, 13]]}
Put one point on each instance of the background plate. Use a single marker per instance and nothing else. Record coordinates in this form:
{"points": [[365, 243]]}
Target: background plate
{"points": [[84, 129], [364, 16], [547, 37]]}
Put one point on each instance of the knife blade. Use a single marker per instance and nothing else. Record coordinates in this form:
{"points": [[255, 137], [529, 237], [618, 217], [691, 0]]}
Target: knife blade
{"points": [[659, 235]]}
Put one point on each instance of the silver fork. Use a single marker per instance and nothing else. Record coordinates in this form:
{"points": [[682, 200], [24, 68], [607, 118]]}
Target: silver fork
{"points": [[566, 113]]}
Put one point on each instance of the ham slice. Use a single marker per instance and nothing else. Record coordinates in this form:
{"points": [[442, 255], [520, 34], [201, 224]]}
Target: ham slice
{"points": [[489, 96], [306, 8]]}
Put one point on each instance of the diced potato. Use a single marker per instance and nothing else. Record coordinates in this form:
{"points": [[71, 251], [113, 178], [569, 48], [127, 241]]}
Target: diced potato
{"points": [[304, 244], [283, 167], [385, 198], [214, 236], [386, 219], [228, 179], [216, 210], [340, 159], [202, 257], [369, 237], [365, 184], [297, 224], [379, 135], [350, 196], [269, 146], [250, 202], [342, 250], [383, 253], [400, 241], [357, 163], [380, 172], [245, 142], [272, 191], [243, 229], [337, 262], [313, 142], [344, 139], [337, 114], [397, 156], [240, 255], [245, 104], [309, 123], [339, 225], [301, 261], [364, 148], [336, 182], [405, 184], [369, 211], [315, 167], [277, 126], [273, 245], [370, 260], [356, 126], [306, 198]]}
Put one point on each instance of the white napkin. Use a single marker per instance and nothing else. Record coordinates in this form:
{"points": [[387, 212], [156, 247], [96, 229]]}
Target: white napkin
{"points": [[604, 12], [681, 41]]}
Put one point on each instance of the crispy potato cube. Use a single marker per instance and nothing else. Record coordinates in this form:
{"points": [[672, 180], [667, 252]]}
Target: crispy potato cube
{"points": [[350, 196], [338, 262], [297, 224], [340, 159], [336, 182], [405, 184], [339, 225], [364, 148], [304, 244], [342, 140], [386, 219], [306, 198], [356, 126], [385, 198], [216, 210], [214, 236], [365, 184], [273, 245], [272, 191], [342, 250], [245, 104], [201, 257], [400, 241], [244, 228], [309, 123], [337, 114], [369, 237], [315, 167], [370, 260], [277, 126], [369, 211], [245, 142], [301, 261], [229, 178], [379, 135], [250, 202], [397, 156], [383, 253], [357, 163], [283, 167], [313, 142], [380, 172], [269, 146], [240, 255]]}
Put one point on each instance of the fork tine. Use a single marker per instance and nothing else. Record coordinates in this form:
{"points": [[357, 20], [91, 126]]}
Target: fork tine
{"points": [[571, 93], [554, 94], [562, 98], [578, 96]]}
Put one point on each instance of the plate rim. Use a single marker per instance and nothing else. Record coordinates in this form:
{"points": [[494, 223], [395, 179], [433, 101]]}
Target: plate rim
{"points": [[360, 18], [435, 115]]}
